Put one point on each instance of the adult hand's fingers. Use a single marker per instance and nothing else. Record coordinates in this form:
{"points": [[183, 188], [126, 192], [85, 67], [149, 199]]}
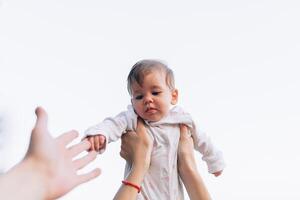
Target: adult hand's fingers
{"points": [[123, 154], [140, 129], [142, 132], [79, 148], [184, 133], [125, 151], [82, 162], [67, 137], [124, 145], [186, 145], [126, 137], [88, 176]]}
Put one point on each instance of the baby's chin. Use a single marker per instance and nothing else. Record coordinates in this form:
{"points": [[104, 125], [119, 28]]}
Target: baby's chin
{"points": [[153, 118]]}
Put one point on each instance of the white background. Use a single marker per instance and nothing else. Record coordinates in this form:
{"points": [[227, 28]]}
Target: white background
{"points": [[236, 65]]}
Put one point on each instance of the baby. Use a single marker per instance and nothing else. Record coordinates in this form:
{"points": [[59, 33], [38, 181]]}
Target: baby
{"points": [[151, 86]]}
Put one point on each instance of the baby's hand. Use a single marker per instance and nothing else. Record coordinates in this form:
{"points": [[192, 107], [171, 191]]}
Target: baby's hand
{"points": [[218, 173], [97, 142]]}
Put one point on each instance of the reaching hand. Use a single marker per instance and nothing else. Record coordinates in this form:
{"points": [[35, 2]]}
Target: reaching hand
{"points": [[54, 160]]}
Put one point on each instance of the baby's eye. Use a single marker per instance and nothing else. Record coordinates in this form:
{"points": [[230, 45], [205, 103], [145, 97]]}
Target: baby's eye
{"points": [[155, 93], [139, 97]]}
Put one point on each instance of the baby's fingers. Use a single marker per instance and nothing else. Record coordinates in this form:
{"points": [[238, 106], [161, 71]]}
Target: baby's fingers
{"points": [[96, 143], [91, 140], [102, 141]]}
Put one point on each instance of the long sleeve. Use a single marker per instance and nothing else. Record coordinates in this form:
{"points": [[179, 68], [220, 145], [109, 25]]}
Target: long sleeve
{"points": [[210, 154], [113, 127]]}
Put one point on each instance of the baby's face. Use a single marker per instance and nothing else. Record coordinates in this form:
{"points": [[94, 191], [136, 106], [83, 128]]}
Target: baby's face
{"points": [[153, 99]]}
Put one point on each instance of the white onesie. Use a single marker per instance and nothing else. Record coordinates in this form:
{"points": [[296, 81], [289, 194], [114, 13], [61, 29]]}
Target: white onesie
{"points": [[162, 179]]}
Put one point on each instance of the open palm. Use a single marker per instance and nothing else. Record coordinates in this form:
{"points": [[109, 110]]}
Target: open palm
{"points": [[55, 160]]}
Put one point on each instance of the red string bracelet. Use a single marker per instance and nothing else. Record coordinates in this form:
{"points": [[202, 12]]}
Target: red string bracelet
{"points": [[132, 185]]}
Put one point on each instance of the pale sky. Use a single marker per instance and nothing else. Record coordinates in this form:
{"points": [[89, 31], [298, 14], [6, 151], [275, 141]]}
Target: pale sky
{"points": [[236, 65]]}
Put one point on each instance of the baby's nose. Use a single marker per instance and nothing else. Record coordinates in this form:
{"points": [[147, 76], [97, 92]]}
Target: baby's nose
{"points": [[148, 99]]}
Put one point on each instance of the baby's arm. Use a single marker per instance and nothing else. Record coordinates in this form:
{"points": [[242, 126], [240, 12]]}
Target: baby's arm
{"points": [[107, 131], [211, 155]]}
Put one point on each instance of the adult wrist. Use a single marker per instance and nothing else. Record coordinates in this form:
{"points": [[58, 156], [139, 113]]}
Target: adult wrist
{"points": [[36, 173], [141, 165], [137, 174], [187, 167], [133, 185]]}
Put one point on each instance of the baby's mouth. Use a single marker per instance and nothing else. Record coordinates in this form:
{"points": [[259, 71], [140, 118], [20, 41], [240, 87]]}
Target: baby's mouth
{"points": [[151, 110]]}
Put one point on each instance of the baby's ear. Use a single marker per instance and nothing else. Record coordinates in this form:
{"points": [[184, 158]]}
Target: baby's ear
{"points": [[174, 94]]}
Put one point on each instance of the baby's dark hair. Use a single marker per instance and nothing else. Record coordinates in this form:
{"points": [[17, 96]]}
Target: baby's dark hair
{"points": [[143, 67]]}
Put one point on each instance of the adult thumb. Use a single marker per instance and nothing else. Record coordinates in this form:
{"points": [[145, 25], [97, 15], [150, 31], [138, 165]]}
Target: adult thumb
{"points": [[42, 119], [140, 129], [39, 131]]}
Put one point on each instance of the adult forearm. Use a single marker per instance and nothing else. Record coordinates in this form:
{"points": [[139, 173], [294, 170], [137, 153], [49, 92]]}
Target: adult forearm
{"points": [[127, 192], [24, 181], [194, 183]]}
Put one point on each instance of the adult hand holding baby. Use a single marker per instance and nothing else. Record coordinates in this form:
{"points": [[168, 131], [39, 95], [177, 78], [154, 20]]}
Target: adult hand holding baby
{"points": [[136, 148]]}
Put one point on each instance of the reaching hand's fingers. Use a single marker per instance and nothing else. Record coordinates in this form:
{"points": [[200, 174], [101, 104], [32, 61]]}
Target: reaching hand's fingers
{"points": [[88, 176], [67, 137], [42, 119], [81, 162], [87, 140], [79, 148]]}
